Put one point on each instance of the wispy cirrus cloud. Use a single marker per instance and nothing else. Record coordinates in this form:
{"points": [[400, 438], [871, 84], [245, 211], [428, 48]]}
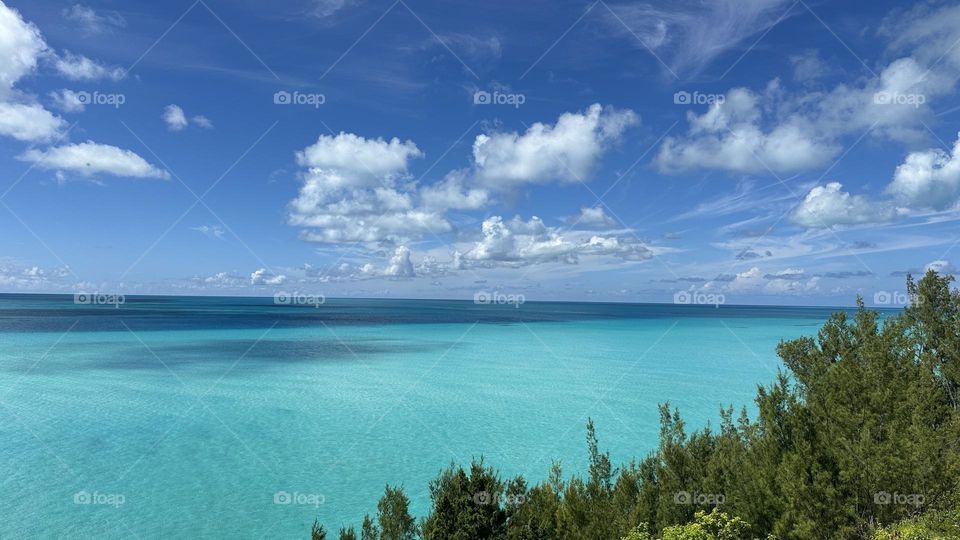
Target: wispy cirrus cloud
{"points": [[689, 34], [91, 22]]}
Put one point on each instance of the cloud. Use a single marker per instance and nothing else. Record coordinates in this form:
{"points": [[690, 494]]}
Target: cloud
{"points": [[894, 106], [846, 274], [925, 180], [928, 179], [476, 50], [202, 121], [941, 266], [688, 34], [791, 274], [366, 159], [264, 277], [808, 66], [593, 218], [828, 206], [749, 254], [15, 275], [453, 194], [20, 47], [90, 158], [213, 231], [174, 117], [517, 243], [400, 265], [353, 191], [359, 190], [91, 22], [29, 122], [732, 136], [220, 280], [789, 281], [795, 131], [566, 151], [80, 68], [927, 31], [327, 8], [68, 100]]}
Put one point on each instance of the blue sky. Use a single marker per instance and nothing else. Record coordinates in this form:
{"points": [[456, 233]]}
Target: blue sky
{"points": [[767, 151]]}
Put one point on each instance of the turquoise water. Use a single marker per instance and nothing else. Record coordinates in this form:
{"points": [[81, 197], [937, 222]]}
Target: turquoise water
{"points": [[187, 417]]}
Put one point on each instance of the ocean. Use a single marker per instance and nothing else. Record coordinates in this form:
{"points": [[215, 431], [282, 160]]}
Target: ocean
{"points": [[236, 417]]}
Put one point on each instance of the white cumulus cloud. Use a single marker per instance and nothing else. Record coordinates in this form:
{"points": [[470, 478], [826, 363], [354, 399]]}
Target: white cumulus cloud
{"points": [[732, 136], [593, 218], [90, 158], [262, 276], [828, 205], [928, 179], [174, 117], [67, 100], [400, 264], [516, 243], [21, 45], [566, 151], [355, 190], [29, 122]]}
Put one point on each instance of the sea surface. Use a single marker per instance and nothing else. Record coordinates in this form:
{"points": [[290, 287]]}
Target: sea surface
{"points": [[235, 417]]}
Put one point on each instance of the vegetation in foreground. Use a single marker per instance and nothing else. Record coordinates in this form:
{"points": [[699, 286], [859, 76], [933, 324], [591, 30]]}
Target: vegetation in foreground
{"points": [[859, 438]]}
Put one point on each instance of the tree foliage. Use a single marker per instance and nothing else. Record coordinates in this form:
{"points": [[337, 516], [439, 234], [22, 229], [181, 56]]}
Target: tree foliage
{"points": [[858, 438]]}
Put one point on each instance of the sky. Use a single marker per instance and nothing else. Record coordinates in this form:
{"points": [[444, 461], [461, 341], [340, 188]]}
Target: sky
{"points": [[737, 151]]}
